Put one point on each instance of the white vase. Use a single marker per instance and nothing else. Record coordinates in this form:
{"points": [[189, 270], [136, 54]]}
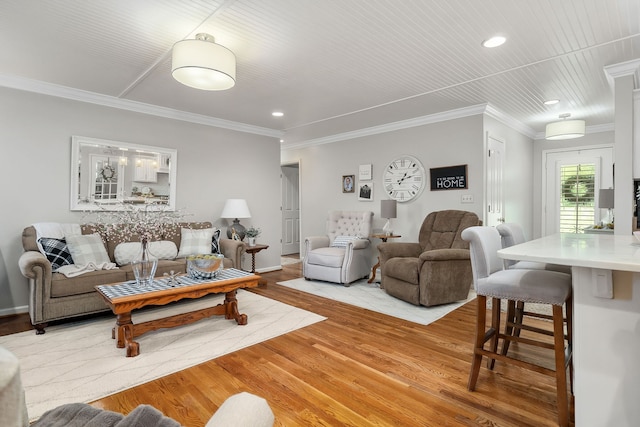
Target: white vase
{"points": [[252, 241], [144, 266]]}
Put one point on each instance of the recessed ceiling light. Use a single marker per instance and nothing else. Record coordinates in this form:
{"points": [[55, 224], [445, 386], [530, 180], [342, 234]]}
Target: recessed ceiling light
{"points": [[277, 114], [551, 102], [494, 41]]}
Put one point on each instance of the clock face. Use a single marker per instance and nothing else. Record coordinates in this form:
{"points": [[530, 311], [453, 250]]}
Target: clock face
{"points": [[404, 178]]}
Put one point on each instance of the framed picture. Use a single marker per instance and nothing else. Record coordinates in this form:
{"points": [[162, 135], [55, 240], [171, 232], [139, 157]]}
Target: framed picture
{"points": [[348, 183], [364, 173], [449, 178], [365, 191]]}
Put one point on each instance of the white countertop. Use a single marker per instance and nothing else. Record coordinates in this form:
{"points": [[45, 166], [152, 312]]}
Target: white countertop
{"points": [[611, 252]]}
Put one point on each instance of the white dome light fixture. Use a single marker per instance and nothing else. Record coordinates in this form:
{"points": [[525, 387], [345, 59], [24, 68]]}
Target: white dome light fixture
{"points": [[565, 129], [200, 63]]}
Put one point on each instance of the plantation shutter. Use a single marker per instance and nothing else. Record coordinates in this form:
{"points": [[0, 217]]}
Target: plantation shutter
{"points": [[577, 201]]}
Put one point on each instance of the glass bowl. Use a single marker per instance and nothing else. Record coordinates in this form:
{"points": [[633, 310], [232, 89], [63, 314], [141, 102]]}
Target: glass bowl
{"points": [[205, 266]]}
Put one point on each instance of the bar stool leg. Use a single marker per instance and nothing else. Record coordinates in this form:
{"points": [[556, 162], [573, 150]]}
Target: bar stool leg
{"points": [[561, 367], [481, 319]]}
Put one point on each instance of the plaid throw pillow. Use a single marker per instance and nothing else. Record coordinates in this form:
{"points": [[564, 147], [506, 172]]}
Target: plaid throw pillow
{"points": [[56, 251], [86, 248], [215, 243], [195, 242]]}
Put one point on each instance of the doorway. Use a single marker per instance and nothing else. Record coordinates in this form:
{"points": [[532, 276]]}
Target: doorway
{"points": [[573, 178], [290, 207]]}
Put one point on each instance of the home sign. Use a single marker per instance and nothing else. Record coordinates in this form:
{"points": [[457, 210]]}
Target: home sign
{"points": [[449, 178]]}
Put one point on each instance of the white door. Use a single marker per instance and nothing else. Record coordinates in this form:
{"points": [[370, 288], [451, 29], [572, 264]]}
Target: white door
{"points": [[494, 203], [572, 180], [290, 178]]}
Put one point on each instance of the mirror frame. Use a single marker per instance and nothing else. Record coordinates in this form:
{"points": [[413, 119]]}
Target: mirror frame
{"points": [[79, 204]]}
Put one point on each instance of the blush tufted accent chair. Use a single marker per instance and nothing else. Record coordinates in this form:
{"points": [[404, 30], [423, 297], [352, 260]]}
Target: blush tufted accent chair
{"points": [[344, 255], [437, 269]]}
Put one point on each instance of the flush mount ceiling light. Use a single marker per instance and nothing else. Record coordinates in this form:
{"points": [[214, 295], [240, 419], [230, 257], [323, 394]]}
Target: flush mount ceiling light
{"points": [[277, 114], [494, 41], [551, 101], [565, 129], [200, 63]]}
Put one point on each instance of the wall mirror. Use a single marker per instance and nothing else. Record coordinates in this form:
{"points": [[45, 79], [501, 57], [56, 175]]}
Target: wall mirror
{"points": [[107, 175]]}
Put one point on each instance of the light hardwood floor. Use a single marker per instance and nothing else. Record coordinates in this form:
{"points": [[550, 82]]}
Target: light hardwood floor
{"points": [[357, 368]]}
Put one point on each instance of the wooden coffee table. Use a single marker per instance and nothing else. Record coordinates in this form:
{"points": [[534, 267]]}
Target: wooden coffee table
{"points": [[125, 297]]}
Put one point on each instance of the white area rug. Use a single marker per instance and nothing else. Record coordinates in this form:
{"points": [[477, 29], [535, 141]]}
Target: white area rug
{"points": [[289, 260], [79, 362], [371, 297]]}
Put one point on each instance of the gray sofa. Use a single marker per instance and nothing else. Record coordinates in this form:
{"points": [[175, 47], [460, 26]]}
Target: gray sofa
{"points": [[54, 296]]}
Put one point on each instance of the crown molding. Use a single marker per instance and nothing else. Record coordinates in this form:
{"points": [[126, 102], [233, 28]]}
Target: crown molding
{"points": [[444, 116], [390, 127], [43, 88], [628, 68]]}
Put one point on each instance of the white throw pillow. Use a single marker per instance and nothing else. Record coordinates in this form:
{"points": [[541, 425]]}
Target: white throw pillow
{"points": [[195, 242], [126, 252], [87, 248], [343, 241]]}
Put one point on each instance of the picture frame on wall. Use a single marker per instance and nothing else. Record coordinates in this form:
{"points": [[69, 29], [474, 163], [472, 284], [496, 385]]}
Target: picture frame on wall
{"points": [[449, 178], [365, 191], [365, 172], [348, 183]]}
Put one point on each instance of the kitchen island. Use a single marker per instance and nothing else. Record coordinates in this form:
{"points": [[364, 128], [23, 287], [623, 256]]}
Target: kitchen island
{"points": [[606, 340]]}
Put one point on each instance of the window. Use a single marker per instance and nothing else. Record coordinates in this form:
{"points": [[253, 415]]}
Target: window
{"points": [[577, 201]]}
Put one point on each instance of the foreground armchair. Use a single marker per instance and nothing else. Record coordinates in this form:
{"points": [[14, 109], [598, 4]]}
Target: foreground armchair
{"points": [[344, 255], [437, 269]]}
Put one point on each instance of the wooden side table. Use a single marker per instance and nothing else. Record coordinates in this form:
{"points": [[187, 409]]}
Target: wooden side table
{"points": [[384, 238], [253, 250]]}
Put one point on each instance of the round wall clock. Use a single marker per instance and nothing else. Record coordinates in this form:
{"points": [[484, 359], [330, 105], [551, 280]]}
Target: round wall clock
{"points": [[404, 178]]}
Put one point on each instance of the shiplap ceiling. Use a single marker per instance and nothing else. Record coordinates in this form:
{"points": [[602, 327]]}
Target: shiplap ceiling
{"points": [[332, 66]]}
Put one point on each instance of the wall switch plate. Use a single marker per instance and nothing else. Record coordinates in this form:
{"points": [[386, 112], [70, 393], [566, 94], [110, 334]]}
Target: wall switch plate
{"points": [[466, 198]]}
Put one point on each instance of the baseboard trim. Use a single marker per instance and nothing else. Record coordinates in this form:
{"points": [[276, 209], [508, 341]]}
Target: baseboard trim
{"points": [[14, 310]]}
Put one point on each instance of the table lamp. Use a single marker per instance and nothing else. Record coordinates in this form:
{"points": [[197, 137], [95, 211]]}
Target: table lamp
{"points": [[236, 208], [605, 201], [388, 210]]}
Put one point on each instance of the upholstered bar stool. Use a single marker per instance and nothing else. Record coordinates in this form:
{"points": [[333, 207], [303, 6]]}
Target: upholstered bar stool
{"points": [[512, 234], [491, 280]]}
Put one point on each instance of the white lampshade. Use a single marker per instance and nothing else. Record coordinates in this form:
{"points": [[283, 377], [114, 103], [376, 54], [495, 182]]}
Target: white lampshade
{"points": [[235, 208], [202, 64], [565, 129]]}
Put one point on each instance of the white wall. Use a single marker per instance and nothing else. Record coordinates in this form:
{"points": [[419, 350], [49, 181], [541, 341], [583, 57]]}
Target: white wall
{"points": [[213, 165], [440, 144]]}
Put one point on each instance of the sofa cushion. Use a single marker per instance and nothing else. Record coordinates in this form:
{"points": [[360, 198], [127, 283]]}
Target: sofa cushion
{"points": [[195, 242], [62, 286], [129, 251], [329, 257], [87, 248], [56, 251]]}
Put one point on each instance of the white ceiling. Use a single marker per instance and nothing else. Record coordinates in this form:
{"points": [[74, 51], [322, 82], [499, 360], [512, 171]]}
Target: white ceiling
{"points": [[331, 65]]}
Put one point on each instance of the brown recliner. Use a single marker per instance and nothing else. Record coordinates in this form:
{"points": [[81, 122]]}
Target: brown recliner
{"points": [[437, 269]]}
